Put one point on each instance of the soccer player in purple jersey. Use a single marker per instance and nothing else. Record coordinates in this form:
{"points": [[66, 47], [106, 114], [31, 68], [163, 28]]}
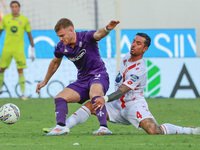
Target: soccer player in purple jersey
{"points": [[92, 79]]}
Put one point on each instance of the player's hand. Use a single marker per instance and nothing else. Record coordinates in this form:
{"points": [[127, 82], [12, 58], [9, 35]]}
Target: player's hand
{"points": [[39, 86], [32, 54], [99, 103], [112, 25]]}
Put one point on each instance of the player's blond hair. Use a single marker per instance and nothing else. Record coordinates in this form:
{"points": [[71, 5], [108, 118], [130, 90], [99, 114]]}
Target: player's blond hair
{"points": [[63, 23]]}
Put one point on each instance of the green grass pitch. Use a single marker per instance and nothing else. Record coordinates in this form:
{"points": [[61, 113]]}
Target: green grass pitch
{"points": [[39, 113]]}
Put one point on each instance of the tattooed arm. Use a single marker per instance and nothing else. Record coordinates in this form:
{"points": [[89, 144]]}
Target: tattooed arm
{"points": [[123, 89], [99, 102]]}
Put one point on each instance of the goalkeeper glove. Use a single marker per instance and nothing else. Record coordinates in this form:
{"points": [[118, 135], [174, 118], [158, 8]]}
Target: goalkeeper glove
{"points": [[32, 53]]}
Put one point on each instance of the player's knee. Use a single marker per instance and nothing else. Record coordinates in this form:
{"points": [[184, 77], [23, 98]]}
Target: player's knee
{"points": [[96, 90], [65, 97], [61, 97], [90, 107], [58, 96], [20, 71]]}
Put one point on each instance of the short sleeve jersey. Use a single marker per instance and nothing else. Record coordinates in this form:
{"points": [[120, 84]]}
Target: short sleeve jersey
{"points": [[85, 54], [15, 28], [134, 76]]}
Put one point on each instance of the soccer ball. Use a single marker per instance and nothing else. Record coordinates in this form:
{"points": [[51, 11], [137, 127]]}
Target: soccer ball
{"points": [[9, 113]]}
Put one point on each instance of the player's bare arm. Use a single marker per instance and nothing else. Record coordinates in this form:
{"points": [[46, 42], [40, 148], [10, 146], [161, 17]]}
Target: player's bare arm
{"points": [[102, 32], [32, 52], [0, 32], [55, 63], [30, 38], [123, 89]]}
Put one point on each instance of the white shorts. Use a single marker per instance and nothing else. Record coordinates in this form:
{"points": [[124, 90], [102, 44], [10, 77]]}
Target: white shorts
{"points": [[133, 113]]}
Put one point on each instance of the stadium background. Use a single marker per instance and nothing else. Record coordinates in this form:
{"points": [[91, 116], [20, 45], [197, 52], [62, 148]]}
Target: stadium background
{"points": [[171, 60]]}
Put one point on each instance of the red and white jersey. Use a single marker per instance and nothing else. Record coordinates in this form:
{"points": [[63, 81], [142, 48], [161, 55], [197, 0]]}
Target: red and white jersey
{"points": [[134, 76]]}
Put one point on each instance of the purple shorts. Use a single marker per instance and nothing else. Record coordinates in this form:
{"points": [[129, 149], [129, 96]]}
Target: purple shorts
{"points": [[82, 86]]}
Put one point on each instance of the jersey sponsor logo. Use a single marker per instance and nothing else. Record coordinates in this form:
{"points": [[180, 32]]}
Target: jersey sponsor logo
{"points": [[130, 82], [134, 77], [118, 78], [14, 29], [79, 56]]}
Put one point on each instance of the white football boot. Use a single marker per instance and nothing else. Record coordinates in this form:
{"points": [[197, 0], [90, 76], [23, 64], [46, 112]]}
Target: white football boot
{"points": [[59, 130], [195, 130], [102, 131]]}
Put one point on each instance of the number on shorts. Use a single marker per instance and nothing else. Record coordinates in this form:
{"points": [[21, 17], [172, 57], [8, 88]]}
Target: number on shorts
{"points": [[139, 115]]}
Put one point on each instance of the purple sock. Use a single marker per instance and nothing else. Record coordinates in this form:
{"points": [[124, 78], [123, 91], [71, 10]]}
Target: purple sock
{"points": [[101, 115], [61, 111]]}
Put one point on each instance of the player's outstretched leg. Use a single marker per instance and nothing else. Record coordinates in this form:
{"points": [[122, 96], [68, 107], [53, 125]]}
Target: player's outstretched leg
{"points": [[173, 129]]}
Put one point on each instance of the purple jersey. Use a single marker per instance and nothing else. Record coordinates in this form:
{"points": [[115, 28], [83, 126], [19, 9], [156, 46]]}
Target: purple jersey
{"points": [[85, 54]]}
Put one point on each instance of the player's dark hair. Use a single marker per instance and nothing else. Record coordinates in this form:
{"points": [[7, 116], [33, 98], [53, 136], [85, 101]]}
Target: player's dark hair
{"points": [[148, 39], [63, 23], [15, 2]]}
